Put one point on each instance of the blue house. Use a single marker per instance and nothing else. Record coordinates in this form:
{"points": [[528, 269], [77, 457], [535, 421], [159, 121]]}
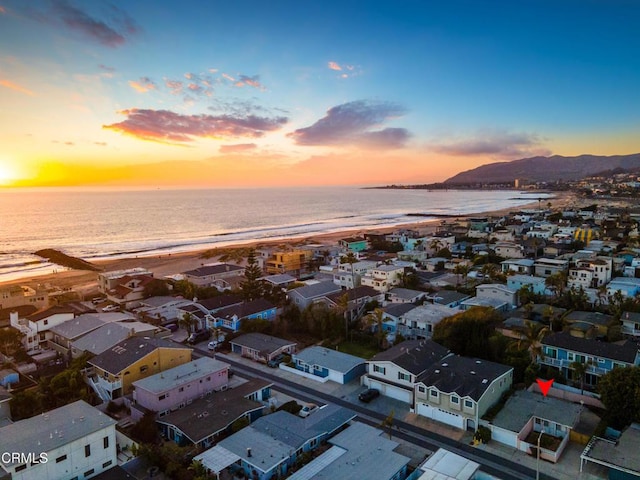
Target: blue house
{"points": [[536, 284], [269, 447], [628, 286], [330, 364], [562, 349], [8, 377], [231, 317]]}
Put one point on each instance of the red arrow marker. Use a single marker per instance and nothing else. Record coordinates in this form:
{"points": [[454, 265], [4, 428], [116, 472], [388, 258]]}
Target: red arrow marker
{"points": [[544, 385]]}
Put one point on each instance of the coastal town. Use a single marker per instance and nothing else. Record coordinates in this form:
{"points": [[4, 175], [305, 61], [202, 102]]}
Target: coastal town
{"points": [[425, 352]]}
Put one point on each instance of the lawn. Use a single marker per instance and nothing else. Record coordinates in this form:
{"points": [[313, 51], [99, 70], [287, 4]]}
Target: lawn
{"points": [[357, 349]]}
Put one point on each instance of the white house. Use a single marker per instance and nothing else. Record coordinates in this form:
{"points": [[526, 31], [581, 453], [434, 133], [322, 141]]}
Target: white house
{"points": [[36, 327], [508, 250], [74, 441], [498, 291], [350, 274], [420, 322], [383, 278], [523, 266]]}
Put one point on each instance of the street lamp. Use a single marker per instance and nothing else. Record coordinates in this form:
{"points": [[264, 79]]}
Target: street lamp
{"points": [[538, 455]]}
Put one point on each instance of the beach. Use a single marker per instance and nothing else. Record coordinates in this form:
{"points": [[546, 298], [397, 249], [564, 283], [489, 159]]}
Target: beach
{"points": [[85, 282]]}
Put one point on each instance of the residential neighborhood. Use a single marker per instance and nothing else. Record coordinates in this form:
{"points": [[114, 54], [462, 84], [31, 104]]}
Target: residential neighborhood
{"points": [[442, 330]]}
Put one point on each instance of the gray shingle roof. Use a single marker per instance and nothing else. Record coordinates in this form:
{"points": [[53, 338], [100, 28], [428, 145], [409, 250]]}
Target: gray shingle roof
{"points": [[129, 351], [261, 342], [624, 352], [317, 289], [415, 356], [467, 377], [398, 309], [245, 309], [332, 359]]}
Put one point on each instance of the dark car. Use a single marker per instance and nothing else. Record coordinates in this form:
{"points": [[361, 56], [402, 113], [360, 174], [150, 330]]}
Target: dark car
{"points": [[276, 361], [368, 395], [198, 336]]}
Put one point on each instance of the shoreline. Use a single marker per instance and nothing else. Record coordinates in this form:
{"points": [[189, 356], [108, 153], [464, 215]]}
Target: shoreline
{"points": [[165, 264]]}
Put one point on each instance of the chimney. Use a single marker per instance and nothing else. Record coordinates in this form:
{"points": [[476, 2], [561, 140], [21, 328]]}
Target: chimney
{"points": [[248, 451]]}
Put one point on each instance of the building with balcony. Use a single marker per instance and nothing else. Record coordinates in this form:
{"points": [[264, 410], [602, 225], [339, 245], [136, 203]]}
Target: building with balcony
{"points": [[20, 295], [37, 326], [214, 275], [294, 263], [349, 275], [383, 278]]}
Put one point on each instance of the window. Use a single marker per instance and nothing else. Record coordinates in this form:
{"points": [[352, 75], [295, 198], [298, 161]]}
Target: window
{"points": [[144, 368], [181, 389], [571, 356], [89, 472], [421, 389], [404, 376], [433, 393], [468, 404], [379, 369], [105, 442], [163, 396], [61, 459], [46, 321], [601, 360], [106, 464], [87, 450], [455, 399]]}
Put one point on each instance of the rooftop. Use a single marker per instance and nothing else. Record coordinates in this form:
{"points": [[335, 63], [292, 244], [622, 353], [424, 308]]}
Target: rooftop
{"points": [[623, 352], [317, 289], [261, 342], [185, 373], [523, 405], [623, 454], [406, 293], [207, 270], [398, 309], [53, 429], [49, 312], [245, 309], [414, 356], [332, 359], [446, 465]]}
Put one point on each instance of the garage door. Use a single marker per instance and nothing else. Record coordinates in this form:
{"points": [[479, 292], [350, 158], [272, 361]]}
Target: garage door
{"points": [[391, 391], [440, 415]]}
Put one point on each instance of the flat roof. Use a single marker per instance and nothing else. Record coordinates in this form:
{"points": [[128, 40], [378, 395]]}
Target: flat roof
{"points": [[523, 405], [446, 465], [53, 429], [622, 455], [185, 373]]}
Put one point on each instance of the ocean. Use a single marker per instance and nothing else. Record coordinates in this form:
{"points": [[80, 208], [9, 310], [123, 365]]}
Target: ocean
{"points": [[108, 223]]}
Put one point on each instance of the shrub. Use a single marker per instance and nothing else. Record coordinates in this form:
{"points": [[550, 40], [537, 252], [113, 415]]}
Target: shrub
{"points": [[482, 435]]}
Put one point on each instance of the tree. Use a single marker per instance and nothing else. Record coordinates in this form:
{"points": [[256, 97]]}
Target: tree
{"points": [[156, 288], [467, 333], [531, 340], [620, 392], [461, 269], [348, 258], [388, 423], [185, 288], [375, 318], [579, 372], [251, 288], [188, 322], [556, 283], [10, 341]]}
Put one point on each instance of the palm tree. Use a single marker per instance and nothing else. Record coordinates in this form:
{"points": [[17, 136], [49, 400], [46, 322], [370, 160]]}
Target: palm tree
{"points": [[556, 283], [375, 318], [188, 322], [579, 372], [489, 270], [531, 340], [461, 269]]}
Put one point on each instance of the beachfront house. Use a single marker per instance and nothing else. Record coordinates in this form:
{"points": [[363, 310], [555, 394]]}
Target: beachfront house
{"points": [[109, 280], [129, 290], [394, 372], [354, 244], [458, 391], [14, 296], [113, 372], [295, 262], [216, 275]]}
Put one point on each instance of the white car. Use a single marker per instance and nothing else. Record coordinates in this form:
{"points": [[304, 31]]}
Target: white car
{"points": [[307, 410], [111, 308]]}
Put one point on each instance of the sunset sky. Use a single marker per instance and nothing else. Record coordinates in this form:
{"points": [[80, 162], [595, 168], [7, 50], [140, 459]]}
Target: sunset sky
{"points": [[212, 93]]}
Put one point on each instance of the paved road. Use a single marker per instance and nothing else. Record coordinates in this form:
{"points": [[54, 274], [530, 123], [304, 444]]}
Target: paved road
{"points": [[490, 463]]}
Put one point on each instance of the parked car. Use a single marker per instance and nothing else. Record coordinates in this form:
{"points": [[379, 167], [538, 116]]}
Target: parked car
{"points": [[111, 308], [198, 336], [275, 361], [307, 410], [368, 395], [172, 326]]}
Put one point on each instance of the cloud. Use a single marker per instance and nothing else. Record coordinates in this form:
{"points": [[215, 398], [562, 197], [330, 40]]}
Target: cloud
{"points": [[167, 126], [70, 144], [253, 81], [334, 66], [495, 143], [236, 106], [241, 147], [106, 68], [352, 123], [347, 71], [16, 87], [228, 77], [100, 144], [174, 86], [112, 34], [143, 85]]}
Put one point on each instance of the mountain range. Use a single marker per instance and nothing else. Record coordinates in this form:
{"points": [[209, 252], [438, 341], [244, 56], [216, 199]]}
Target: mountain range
{"points": [[546, 169]]}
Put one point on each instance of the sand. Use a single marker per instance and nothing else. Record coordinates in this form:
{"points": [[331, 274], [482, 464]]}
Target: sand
{"points": [[85, 282]]}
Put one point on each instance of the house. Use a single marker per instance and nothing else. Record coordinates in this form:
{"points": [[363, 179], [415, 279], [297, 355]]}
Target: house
{"points": [[76, 439], [499, 292], [405, 295], [517, 327], [161, 310], [37, 326], [202, 421], [459, 390], [621, 457], [537, 285], [178, 386], [522, 266], [394, 372], [393, 315], [261, 347], [302, 297], [420, 321], [508, 250], [591, 272], [129, 290], [383, 277], [329, 364], [282, 280], [109, 280], [214, 275], [545, 267], [527, 414], [589, 324], [8, 377], [115, 370], [294, 263], [354, 244], [203, 310], [356, 300], [446, 465], [15, 296], [627, 286], [560, 350], [359, 451], [269, 447], [631, 324], [349, 275], [107, 336], [448, 298], [231, 317]]}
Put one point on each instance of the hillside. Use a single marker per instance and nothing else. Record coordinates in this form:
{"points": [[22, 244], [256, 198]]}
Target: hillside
{"points": [[546, 169]]}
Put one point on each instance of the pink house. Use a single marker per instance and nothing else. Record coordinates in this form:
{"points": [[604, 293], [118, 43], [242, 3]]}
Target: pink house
{"points": [[175, 388]]}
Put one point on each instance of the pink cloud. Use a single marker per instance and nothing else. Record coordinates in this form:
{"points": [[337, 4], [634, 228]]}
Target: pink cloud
{"points": [[334, 66], [253, 81], [167, 126], [16, 87], [241, 147], [143, 85]]}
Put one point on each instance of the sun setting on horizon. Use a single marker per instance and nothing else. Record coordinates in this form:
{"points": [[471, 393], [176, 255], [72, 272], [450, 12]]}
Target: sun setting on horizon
{"points": [[147, 93]]}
